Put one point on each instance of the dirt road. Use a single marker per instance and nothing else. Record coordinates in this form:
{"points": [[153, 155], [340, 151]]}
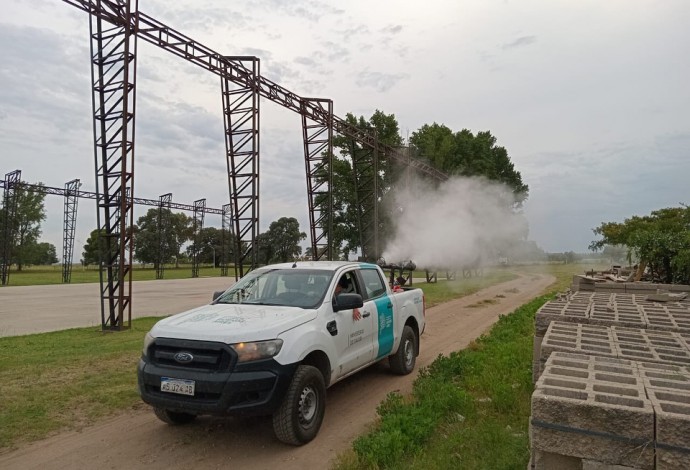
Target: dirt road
{"points": [[137, 439]]}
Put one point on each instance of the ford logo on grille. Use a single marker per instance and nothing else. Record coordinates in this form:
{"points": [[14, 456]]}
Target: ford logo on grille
{"points": [[183, 357]]}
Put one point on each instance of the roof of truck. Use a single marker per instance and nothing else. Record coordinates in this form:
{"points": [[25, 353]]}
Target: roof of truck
{"points": [[325, 265]]}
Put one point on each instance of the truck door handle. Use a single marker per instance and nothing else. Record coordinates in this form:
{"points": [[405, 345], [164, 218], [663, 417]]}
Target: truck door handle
{"points": [[366, 314]]}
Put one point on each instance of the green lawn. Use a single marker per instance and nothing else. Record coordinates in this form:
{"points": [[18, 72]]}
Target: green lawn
{"points": [[40, 275]]}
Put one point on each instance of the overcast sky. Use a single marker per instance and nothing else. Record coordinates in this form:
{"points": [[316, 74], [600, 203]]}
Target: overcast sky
{"points": [[590, 98]]}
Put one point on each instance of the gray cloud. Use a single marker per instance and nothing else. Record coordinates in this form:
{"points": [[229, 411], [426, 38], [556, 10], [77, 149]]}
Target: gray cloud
{"points": [[379, 81], [392, 29], [310, 10], [520, 42]]}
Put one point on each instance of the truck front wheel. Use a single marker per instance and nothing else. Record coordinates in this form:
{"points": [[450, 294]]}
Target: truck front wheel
{"points": [[403, 361], [299, 417], [173, 417]]}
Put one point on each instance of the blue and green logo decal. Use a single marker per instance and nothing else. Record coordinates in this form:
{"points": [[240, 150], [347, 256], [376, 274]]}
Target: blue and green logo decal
{"points": [[384, 308]]}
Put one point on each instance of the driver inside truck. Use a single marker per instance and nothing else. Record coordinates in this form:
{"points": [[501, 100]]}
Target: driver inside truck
{"points": [[345, 286]]}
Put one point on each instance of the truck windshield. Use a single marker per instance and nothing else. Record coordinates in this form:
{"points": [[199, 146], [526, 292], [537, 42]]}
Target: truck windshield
{"points": [[286, 287]]}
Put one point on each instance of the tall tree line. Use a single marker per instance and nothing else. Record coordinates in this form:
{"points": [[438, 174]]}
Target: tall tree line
{"points": [[461, 153], [25, 226]]}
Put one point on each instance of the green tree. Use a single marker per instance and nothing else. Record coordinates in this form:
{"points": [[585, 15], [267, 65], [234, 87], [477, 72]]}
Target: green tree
{"points": [[90, 255], [661, 241], [466, 154], [175, 233], [266, 251], [346, 237], [26, 225], [41, 254], [284, 236], [211, 246]]}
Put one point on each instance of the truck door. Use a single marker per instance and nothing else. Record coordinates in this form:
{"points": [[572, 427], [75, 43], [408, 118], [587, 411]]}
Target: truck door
{"points": [[356, 330], [381, 308]]}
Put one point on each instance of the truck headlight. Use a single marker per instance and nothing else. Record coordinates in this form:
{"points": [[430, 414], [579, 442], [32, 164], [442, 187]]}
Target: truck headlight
{"points": [[258, 350], [148, 340]]}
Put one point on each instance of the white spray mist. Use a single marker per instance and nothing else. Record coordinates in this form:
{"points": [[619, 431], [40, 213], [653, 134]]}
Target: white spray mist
{"points": [[464, 222]]}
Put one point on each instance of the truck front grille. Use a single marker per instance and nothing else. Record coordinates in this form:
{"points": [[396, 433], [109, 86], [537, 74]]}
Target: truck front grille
{"points": [[195, 355]]}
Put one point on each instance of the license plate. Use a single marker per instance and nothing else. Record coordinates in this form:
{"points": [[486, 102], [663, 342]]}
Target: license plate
{"points": [[179, 386]]}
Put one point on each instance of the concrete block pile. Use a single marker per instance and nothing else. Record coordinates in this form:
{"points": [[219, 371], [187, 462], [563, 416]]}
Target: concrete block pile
{"points": [[612, 373], [591, 408], [599, 284]]}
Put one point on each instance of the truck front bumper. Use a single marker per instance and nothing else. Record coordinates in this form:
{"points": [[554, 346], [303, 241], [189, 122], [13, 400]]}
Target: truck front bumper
{"points": [[254, 388]]}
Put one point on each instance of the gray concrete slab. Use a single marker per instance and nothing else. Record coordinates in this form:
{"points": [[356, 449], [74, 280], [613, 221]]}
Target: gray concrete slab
{"points": [[37, 309]]}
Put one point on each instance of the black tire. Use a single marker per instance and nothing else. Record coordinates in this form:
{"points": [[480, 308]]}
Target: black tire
{"points": [[175, 418], [299, 417], [404, 359]]}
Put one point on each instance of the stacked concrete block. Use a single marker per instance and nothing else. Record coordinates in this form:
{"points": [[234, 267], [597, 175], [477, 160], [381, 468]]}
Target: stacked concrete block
{"points": [[665, 347], [610, 287], [612, 373], [575, 309], [668, 388], [575, 338], [580, 297], [583, 283], [624, 313], [599, 284], [591, 408], [575, 312], [673, 316]]}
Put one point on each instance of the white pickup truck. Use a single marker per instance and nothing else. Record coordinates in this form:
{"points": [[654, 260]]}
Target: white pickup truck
{"points": [[274, 341]]}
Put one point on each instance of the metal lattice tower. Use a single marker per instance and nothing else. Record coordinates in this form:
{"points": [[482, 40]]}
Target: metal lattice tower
{"points": [[318, 160], [198, 226], [163, 227], [241, 117], [69, 225], [365, 171], [9, 229], [113, 73], [226, 237]]}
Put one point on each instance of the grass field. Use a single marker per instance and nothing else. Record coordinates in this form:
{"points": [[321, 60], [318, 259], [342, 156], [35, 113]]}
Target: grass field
{"points": [[72, 378], [41, 275]]}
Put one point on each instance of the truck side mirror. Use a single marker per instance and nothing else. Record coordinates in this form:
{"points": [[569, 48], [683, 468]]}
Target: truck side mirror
{"points": [[216, 295], [347, 302]]}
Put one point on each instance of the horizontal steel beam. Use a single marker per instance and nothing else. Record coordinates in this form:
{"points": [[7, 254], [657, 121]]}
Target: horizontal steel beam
{"points": [[91, 195]]}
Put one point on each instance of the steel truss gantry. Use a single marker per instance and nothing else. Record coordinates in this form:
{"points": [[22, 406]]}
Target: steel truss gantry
{"points": [[9, 229], [198, 226], [163, 226], [114, 76], [69, 225], [318, 158], [235, 71], [241, 118]]}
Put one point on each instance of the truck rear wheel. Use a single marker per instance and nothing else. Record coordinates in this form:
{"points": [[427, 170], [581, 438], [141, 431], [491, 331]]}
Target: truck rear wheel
{"points": [[299, 417], [403, 361], [173, 417]]}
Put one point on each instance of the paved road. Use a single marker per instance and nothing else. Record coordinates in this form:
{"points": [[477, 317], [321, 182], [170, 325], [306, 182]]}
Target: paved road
{"points": [[37, 309]]}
